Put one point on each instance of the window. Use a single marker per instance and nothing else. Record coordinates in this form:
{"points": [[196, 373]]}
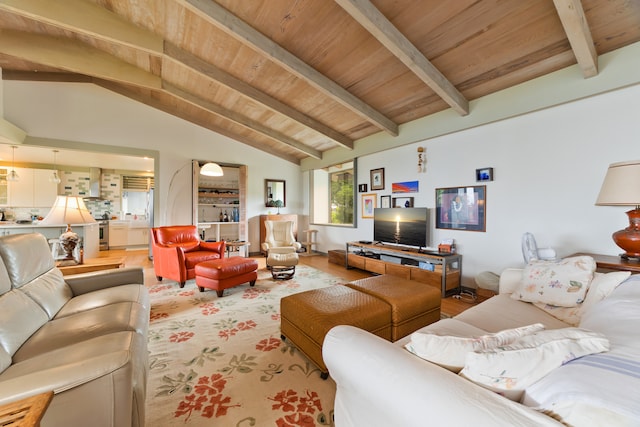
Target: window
{"points": [[332, 194]]}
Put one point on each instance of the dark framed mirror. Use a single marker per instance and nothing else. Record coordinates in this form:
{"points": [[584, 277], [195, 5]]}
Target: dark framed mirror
{"points": [[275, 193]]}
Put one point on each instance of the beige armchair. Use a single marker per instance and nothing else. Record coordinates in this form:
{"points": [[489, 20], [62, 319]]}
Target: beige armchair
{"points": [[280, 235]]}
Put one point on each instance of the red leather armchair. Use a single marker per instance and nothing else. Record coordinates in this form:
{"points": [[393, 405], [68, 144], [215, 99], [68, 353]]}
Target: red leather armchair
{"points": [[178, 248]]}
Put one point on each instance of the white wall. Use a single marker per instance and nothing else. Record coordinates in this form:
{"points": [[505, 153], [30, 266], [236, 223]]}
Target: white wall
{"points": [[548, 168], [91, 114]]}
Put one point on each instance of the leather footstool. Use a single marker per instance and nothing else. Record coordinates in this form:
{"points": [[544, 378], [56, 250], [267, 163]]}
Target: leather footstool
{"points": [[282, 263], [306, 317], [413, 304], [221, 274]]}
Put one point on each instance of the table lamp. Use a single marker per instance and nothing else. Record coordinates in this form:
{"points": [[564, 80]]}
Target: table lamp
{"points": [[621, 187], [68, 210]]}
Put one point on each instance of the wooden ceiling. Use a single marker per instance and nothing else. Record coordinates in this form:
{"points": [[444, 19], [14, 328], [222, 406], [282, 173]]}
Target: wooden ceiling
{"points": [[296, 78]]}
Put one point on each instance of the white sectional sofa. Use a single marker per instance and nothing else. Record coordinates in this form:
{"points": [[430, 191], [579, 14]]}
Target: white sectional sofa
{"points": [[383, 384]]}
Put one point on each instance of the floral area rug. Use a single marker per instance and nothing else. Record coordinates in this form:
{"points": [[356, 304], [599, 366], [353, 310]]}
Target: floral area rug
{"points": [[221, 362]]}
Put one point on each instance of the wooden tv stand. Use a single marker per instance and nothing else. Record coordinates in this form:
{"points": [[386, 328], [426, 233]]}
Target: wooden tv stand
{"points": [[440, 270]]}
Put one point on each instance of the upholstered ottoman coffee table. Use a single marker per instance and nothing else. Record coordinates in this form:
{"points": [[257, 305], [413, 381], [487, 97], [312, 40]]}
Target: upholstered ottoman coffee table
{"points": [[413, 304], [221, 274], [306, 317]]}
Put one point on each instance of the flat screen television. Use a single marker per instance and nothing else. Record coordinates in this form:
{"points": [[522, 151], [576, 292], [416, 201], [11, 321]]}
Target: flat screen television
{"points": [[401, 226]]}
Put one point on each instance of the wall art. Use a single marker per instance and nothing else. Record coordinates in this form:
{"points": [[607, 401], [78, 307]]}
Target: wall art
{"points": [[461, 208]]}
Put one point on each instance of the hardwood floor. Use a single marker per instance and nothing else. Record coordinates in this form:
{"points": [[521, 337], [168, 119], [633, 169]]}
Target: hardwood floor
{"points": [[140, 258]]}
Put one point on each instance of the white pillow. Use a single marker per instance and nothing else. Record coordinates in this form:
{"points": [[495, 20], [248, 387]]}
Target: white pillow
{"points": [[601, 286], [561, 283], [450, 351], [511, 369]]}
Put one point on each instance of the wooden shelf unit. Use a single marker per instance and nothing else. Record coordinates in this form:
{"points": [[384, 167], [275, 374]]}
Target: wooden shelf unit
{"points": [[409, 264]]}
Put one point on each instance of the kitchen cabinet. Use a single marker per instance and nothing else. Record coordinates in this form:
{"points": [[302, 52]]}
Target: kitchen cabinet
{"points": [[4, 187], [118, 234], [138, 236], [33, 189]]}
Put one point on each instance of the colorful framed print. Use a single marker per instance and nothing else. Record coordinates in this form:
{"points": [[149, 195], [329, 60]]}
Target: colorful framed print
{"points": [[484, 174], [461, 208], [368, 205], [404, 187], [377, 179]]}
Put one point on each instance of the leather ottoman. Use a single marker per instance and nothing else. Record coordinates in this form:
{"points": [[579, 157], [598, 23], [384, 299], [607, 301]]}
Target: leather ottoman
{"points": [[225, 273], [306, 317], [413, 304]]}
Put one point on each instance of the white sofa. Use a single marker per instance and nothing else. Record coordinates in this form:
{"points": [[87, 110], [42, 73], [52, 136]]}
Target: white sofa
{"points": [[382, 384]]}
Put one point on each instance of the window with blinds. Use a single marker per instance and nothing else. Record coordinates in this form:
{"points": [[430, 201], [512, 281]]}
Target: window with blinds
{"points": [[141, 183]]}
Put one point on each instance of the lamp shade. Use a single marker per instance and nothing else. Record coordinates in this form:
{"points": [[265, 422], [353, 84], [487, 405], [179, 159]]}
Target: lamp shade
{"points": [[621, 186], [68, 210], [211, 169]]}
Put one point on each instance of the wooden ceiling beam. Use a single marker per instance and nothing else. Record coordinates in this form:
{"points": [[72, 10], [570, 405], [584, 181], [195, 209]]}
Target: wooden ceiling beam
{"points": [[81, 16], [577, 29], [240, 120], [72, 55], [243, 32], [210, 71], [176, 111], [386, 33]]}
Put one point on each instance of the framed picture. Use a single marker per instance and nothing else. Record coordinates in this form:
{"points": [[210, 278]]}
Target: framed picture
{"points": [[368, 205], [403, 202], [362, 188], [377, 179], [404, 187], [385, 201], [484, 174], [461, 208]]}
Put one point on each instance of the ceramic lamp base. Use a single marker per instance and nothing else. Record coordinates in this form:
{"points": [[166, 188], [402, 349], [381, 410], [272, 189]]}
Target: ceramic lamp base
{"points": [[629, 238]]}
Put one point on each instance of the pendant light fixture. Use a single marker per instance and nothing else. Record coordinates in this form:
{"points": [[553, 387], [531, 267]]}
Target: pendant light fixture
{"points": [[54, 177], [13, 175], [211, 169]]}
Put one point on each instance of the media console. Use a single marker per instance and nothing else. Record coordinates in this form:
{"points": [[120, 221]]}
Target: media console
{"points": [[441, 270]]}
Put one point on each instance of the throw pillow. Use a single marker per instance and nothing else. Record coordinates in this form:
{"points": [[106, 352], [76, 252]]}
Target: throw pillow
{"points": [[509, 370], [601, 286], [450, 351], [561, 283]]}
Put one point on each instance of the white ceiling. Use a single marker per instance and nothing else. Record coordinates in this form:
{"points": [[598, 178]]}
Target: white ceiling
{"points": [[31, 154]]}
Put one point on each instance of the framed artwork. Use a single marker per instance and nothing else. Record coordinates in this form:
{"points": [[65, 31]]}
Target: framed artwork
{"points": [[362, 188], [403, 202], [377, 179], [404, 187], [385, 201], [461, 208], [484, 174], [368, 205]]}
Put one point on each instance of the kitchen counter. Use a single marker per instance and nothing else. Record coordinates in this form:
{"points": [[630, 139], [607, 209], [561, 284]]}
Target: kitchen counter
{"points": [[88, 232]]}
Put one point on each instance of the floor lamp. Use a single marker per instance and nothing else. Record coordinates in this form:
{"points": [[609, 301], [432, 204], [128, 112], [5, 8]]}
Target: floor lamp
{"points": [[68, 210]]}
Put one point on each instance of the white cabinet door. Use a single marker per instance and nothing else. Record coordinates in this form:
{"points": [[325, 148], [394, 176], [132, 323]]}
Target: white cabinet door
{"points": [[118, 234], [44, 191], [138, 236], [21, 191]]}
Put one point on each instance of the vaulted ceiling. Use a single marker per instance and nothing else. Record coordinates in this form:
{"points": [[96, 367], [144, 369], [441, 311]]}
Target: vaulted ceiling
{"points": [[296, 78]]}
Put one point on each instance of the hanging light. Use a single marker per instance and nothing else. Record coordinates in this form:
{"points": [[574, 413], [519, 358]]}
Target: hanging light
{"points": [[13, 175], [54, 178], [211, 169]]}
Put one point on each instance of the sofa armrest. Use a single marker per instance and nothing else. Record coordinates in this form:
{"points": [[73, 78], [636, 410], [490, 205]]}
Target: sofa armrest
{"points": [[510, 279], [382, 384], [93, 281], [218, 247]]}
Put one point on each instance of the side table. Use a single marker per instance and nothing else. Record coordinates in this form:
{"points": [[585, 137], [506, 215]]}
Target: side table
{"points": [[608, 263], [233, 246], [26, 412], [93, 264]]}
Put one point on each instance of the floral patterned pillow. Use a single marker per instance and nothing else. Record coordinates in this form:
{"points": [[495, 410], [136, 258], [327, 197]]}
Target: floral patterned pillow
{"points": [[561, 283]]}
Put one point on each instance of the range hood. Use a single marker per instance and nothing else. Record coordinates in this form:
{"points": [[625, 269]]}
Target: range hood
{"points": [[95, 176]]}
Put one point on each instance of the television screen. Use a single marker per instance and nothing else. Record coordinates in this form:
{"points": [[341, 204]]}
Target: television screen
{"points": [[401, 226]]}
